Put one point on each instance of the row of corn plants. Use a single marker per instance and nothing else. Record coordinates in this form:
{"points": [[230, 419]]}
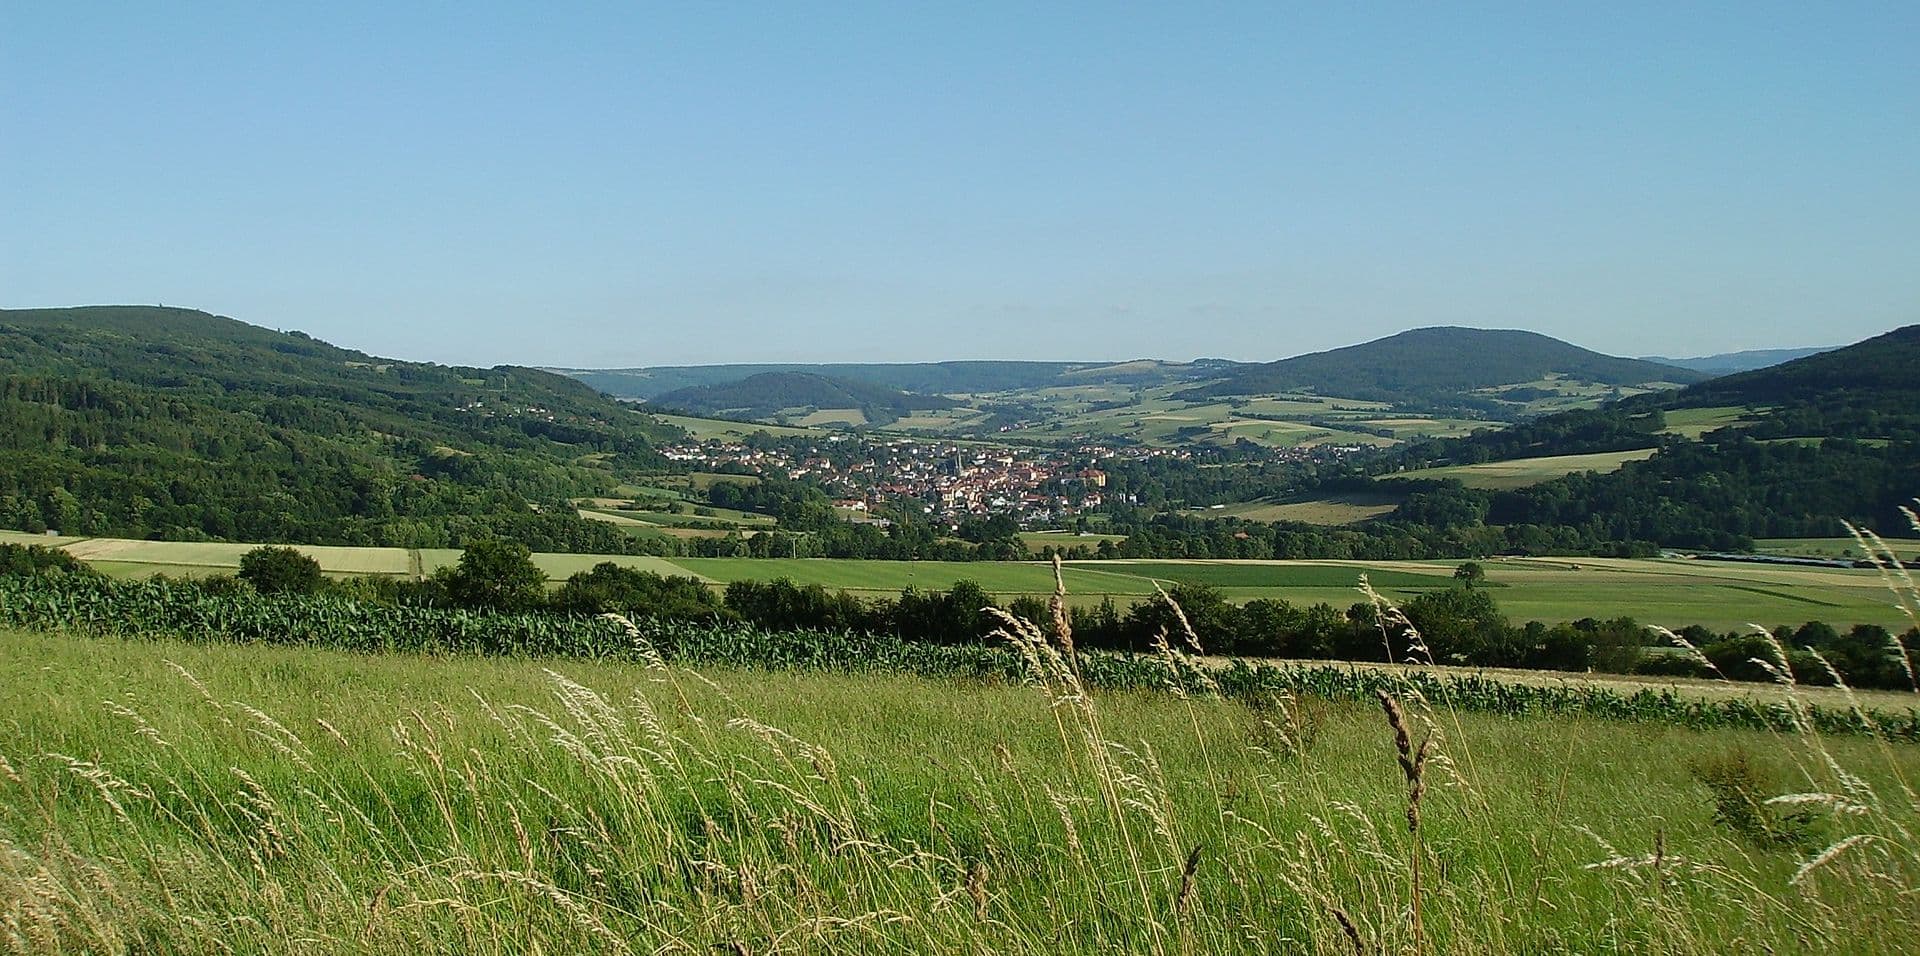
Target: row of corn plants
{"points": [[185, 610]]}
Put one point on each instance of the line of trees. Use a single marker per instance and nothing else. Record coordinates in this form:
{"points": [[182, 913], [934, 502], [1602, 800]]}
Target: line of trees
{"points": [[1461, 625]]}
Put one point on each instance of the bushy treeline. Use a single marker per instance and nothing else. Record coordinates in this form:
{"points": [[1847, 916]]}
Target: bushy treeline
{"points": [[1460, 625]]}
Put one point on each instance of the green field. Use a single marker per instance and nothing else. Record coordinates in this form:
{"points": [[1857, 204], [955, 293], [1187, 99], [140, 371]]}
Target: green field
{"points": [[891, 577], [211, 555], [1695, 422], [1274, 574], [666, 519], [1519, 473], [705, 428], [1906, 549], [300, 801], [1670, 592], [1332, 510], [1674, 592], [561, 566], [829, 416], [1038, 541]]}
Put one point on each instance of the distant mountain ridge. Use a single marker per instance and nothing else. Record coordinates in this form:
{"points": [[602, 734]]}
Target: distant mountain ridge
{"points": [[1728, 363], [769, 393], [926, 378], [1439, 367]]}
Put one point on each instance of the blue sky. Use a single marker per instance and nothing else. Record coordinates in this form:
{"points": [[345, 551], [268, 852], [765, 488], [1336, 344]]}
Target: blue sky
{"points": [[631, 184]]}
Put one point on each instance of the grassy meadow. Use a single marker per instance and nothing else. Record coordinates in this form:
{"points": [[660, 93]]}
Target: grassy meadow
{"points": [[1906, 549], [1695, 422], [1332, 510], [1521, 472], [164, 797]]}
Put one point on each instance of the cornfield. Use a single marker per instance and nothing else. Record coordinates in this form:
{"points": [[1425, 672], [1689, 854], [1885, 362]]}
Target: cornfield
{"points": [[184, 610]]}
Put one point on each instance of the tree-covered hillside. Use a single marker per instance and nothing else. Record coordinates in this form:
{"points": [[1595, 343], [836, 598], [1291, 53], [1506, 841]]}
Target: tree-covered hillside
{"points": [[1440, 368], [1797, 449], [1878, 371], [157, 422]]}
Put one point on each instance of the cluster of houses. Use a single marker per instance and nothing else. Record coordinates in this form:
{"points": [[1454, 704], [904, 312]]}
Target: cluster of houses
{"points": [[941, 479], [504, 410]]}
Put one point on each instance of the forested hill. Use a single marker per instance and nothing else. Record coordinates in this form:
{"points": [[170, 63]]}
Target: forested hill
{"points": [[1868, 390], [146, 421], [1885, 368], [1786, 451], [769, 393], [1441, 368]]}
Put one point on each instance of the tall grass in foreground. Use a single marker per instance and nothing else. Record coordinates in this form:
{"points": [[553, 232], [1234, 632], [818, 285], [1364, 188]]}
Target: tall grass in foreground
{"points": [[664, 809]]}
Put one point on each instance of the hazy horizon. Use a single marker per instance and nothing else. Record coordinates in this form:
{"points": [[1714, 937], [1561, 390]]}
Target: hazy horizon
{"points": [[631, 186]]}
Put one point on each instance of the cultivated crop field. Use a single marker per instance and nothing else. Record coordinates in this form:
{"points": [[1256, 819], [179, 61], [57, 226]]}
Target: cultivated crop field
{"points": [[1275, 574], [1906, 549], [1334, 510], [211, 556], [1519, 473], [1038, 541], [704, 428], [302, 801], [1695, 422], [642, 515]]}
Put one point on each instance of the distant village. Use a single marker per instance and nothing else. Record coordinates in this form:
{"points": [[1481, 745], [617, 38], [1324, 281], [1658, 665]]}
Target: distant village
{"points": [[941, 479], [946, 480]]}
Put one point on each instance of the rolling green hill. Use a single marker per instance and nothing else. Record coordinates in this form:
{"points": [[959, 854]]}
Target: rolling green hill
{"points": [[1445, 367], [159, 422]]}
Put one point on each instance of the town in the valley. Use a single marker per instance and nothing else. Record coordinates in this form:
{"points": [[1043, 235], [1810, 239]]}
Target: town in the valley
{"points": [[948, 480]]}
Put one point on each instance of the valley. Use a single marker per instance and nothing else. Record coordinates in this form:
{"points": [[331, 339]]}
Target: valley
{"points": [[893, 479], [1588, 557]]}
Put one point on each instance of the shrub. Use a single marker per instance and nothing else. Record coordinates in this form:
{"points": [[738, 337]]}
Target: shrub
{"points": [[611, 587], [37, 559], [496, 574], [1741, 785], [279, 570]]}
